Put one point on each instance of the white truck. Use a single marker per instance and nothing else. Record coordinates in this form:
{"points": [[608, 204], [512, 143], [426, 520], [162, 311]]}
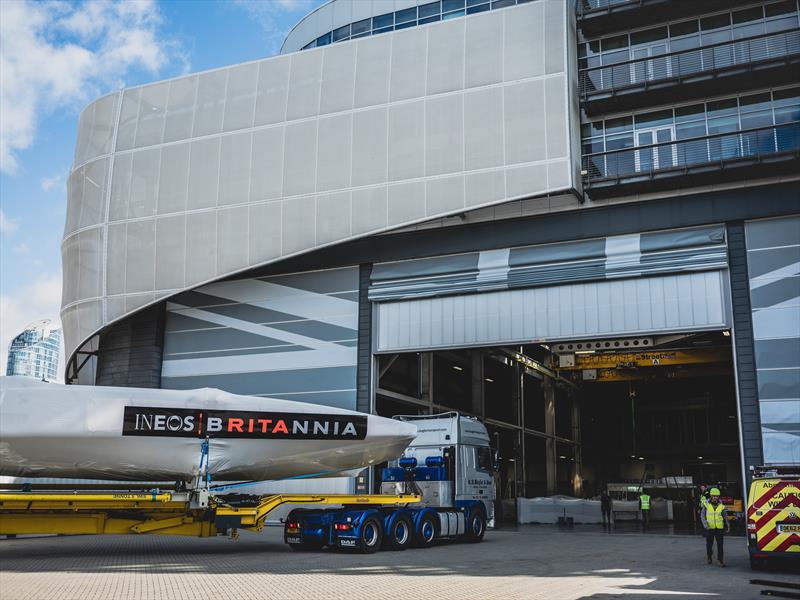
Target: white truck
{"points": [[449, 465]]}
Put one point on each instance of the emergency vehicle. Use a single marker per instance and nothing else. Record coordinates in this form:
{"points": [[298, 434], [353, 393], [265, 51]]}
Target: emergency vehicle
{"points": [[773, 515]]}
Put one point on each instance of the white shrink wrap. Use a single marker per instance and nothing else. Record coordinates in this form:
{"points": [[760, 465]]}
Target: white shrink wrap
{"points": [[133, 434]]}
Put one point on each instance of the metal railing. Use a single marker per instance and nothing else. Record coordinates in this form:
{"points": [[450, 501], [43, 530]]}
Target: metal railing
{"points": [[719, 148], [683, 63]]}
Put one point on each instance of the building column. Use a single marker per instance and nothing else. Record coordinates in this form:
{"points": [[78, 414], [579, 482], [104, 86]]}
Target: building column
{"points": [[744, 353], [426, 379], [577, 453], [476, 406], [549, 388]]}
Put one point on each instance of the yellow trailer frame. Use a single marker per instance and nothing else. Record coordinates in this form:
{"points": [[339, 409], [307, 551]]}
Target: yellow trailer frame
{"points": [[163, 513]]}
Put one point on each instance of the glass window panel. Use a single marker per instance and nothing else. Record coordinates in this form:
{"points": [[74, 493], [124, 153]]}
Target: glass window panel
{"points": [[619, 141], [759, 118], [430, 19], [428, 10], [689, 113], [653, 119], [685, 28], [755, 102], [384, 30], [748, 15], [787, 114], [502, 3], [782, 24], [619, 124], [405, 25], [722, 107], [383, 20], [477, 9], [724, 124], [453, 15], [786, 97], [448, 5], [360, 27], [650, 35], [614, 43], [715, 22], [324, 40], [592, 129], [781, 8], [404, 16], [476, 2], [341, 34]]}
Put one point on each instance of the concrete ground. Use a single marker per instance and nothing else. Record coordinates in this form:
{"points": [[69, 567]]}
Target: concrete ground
{"points": [[527, 563]]}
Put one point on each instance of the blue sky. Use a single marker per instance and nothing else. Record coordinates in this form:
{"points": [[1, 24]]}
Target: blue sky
{"points": [[55, 57]]}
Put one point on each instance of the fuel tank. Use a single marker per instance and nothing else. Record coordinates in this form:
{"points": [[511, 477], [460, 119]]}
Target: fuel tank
{"points": [[110, 433]]}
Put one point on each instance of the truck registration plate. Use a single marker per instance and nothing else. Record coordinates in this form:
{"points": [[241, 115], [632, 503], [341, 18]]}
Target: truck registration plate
{"points": [[347, 542], [786, 528], [293, 539]]}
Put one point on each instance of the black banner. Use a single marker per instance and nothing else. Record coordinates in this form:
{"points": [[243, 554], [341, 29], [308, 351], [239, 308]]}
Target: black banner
{"points": [[245, 424]]}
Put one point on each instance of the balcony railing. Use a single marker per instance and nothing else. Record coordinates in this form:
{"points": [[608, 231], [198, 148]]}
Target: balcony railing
{"points": [[720, 149], [645, 72], [589, 6]]}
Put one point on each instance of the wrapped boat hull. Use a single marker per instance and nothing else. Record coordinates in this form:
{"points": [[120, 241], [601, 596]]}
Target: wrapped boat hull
{"points": [[49, 430]]}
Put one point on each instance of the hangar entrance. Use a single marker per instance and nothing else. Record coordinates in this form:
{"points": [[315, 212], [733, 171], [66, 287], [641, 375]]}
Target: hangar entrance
{"points": [[578, 417]]}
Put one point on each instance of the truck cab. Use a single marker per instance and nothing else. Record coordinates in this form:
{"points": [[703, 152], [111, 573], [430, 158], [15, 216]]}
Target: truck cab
{"points": [[449, 464], [447, 469]]}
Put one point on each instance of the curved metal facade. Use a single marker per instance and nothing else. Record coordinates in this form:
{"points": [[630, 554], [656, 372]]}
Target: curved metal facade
{"points": [[186, 181]]}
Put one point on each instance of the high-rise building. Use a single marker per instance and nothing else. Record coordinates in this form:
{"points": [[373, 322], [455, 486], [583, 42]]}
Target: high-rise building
{"points": [[35, 351], [579, 221]]}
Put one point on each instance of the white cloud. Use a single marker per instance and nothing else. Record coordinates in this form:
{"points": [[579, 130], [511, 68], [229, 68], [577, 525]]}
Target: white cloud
{"points": [[40, 299], [7, 224], [57, 55], [22, 249], [268, 14], [56, 182]]}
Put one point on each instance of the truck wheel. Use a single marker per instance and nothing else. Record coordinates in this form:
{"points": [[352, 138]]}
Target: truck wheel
{"points": [[371, 535], [476, 526], [399, 535], [426, 532]]}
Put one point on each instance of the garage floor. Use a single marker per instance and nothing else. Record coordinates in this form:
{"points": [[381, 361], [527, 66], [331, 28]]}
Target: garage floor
{"points": [[530, 562]]}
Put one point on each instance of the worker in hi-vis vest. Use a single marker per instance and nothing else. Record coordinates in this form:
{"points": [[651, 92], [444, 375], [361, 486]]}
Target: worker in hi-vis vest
{"points": [[714, 517], [644, 506]]}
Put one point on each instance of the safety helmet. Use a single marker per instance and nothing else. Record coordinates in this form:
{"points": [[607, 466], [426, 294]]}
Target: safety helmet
{"points": [[714, 492]]}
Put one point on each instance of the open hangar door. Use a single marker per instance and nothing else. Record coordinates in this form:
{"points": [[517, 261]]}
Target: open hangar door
{"points": [[478, 332]]}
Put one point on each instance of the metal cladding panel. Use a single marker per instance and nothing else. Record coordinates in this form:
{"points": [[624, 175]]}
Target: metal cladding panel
{"points": [[773, 260], [194, 179], [669, 303], [290, 336]]}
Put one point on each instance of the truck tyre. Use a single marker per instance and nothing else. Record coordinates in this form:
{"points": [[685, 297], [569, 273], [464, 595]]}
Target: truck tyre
{"points": [[476, 526], [399, 534], [371, 535], [425, 534]]}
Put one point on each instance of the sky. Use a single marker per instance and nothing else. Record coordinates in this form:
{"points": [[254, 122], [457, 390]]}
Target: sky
{"points": [[55, 58]]}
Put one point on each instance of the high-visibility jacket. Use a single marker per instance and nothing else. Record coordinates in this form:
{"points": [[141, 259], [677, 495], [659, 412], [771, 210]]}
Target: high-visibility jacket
{"points": [[714, 516], [645, 501]]}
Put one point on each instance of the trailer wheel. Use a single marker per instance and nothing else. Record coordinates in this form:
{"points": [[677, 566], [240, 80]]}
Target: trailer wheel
{"points": [[476, 526], [426, 532], [399, 535], [371, 535]]}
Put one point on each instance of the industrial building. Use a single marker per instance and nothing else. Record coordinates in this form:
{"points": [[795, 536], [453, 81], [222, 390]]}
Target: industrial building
{"points": [[579, 221]]}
